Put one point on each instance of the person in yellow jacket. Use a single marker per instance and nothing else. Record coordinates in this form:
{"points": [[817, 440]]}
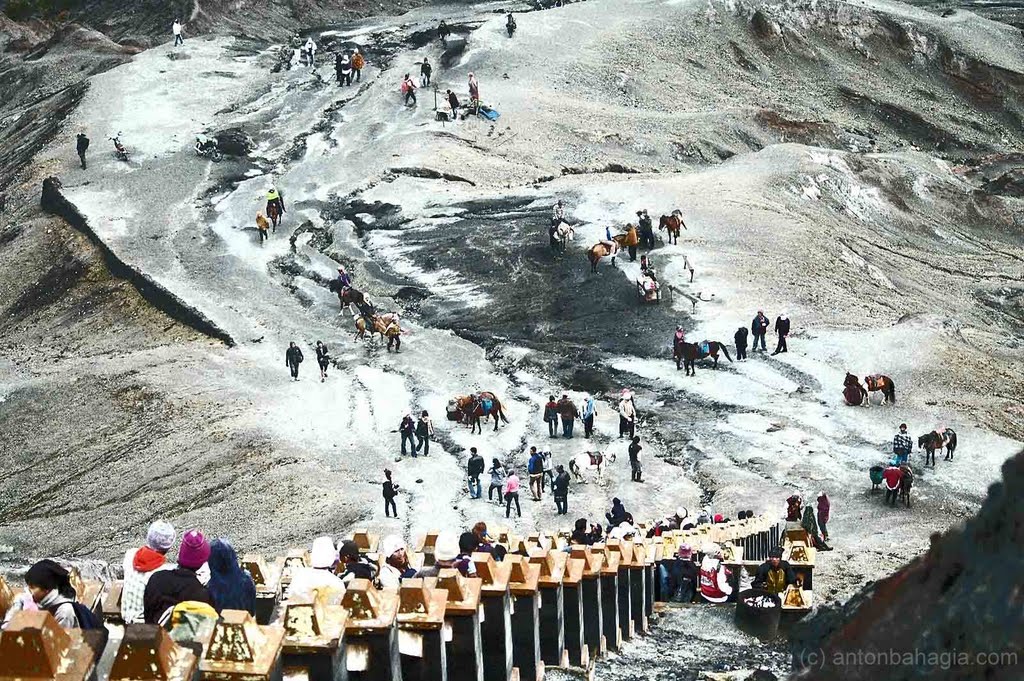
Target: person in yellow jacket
{"points": [[275, 206], [262, 225], [631, 241]]}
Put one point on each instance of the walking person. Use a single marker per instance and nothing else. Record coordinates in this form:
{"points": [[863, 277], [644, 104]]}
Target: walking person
{"points": [[310, 49], [474, 88], [262, 227], [688, 266], [497, 473], [81, 146], [627, 415], [548, 466], [453, 102], [323, 358], [569, 413], [474, 469], [443, 32], [891, 477], [407, 428], [424, 431], [358, 62], [758, 328], [390, 491], [176, 30], [741, 342], [560, 490], [551, 416], [635, 465], [511, 490], [782, 329], [824, 513], [292, 359], [409, 90], [535, 469], [425, 71], [589, 412]]}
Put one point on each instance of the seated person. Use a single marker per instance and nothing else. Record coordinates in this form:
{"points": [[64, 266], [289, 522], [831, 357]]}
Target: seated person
{"points": [[775, 574]]}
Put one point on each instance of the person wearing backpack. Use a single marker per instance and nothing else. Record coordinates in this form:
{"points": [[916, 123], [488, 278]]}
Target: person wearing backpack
{"points": [[409, 90], [551, 416], [49, 588], [535, 467], [390, 491], [292, 359], [474, 469]]}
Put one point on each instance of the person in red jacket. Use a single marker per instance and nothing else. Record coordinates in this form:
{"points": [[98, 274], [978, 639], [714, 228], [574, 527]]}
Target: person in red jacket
{"points": [[891, 477], [714, 576], [824, 508]]}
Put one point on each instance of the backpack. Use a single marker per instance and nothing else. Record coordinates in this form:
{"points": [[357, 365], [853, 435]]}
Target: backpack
{"points": [[535, 466], [87, 619]]}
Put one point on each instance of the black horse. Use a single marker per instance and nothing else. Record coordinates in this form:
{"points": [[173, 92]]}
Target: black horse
{"points": [[935, 441], [687, 354]]}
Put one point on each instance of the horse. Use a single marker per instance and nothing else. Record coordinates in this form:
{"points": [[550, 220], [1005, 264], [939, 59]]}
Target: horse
{"points": [[935, 441], [273, 213], [673, 224], [906, 484], [563, 234], [879, 383], [853, 392], [688, 354], [604, 249], [347, 297], [387, 325], [589, 461], [472, 408]]}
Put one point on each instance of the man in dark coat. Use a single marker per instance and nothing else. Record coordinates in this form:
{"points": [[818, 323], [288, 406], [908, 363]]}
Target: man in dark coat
{"points": [[292, 359], [741, 342], [775, 574], [646, 230], [758, 329], [453, 102], [560, 489], [474, 469], [781, 328], [569, 413], [82, 145]]}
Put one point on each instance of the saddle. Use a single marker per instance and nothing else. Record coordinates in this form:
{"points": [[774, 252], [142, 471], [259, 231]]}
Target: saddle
{"points": [[595, 458], [873, 382], [705, 347]]}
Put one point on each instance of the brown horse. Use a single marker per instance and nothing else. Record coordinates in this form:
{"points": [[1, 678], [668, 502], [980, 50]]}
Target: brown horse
{"points": [[689, 353], [604, 249], [879, 383], [935, 441], [274, 213], [472, 408], [674, 224], [906, 483], [853, 392], [384, 324], [347, 297]]}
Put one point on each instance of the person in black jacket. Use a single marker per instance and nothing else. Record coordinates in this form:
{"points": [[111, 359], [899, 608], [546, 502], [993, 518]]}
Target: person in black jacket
{"points": [[407, 429], [781, 328], [741, 342], [390, 490], [425, 70], [81, 145], [679, 577], [453, 102], [292, 359], [636, 468], [617, 514], [474, 469], [560, 490], [354, 565], [775, 574], [167, 588], [323, 358], [758, 328], [585, 533]]}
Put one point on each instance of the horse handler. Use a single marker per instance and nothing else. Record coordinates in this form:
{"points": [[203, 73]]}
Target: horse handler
{"points": [[892, 477]]}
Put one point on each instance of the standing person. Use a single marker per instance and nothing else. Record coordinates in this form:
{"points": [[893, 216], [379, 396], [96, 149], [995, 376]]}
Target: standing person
{"points": [[443, 32], [891, 477], [551, 416], [311, 51], [474, 469], [390, 491], [759, 327], [549, 473], [424, 431], [292, 359], [81, 146], [409, 90], [474, 88], [512, 493], [741, 342], [142, 563], [560, 490], [688, 266], [358, 62], [646, 229], [230, 586], [497, 473], [782, 329], [902, 445], [634, 460], [627, 415], [323, 358], [824, 512], [176, 30], [262, 226], [343, 68], [631, 241], [589, 412], [453, 102], [407, 428], [569, 413], [425, 71], [714, 576], [167, 588], [535, 469], [510, 24]]}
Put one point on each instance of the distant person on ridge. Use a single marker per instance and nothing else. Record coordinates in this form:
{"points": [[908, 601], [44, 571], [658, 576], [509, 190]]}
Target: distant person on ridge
{"points": [[759, 327], [292, 359], [425, 71], [358, 62], [81, 145], [510, 24], [782, 329], [443, 32], [176, 30]]}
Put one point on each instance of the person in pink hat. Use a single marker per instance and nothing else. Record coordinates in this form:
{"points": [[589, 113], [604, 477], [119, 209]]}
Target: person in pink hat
{"points": [[168, 588]]}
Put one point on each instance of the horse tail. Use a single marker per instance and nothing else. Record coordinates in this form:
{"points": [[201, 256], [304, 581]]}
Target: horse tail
{"points": [[573, 466], [891, 392], [725, 350], [501, 410], [952, 440]]}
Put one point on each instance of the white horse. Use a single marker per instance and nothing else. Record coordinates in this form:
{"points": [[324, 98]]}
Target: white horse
{"points": [[564, 233], [589, 461]]}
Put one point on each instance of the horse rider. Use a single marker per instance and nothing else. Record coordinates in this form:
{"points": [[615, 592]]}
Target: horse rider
{"points": [[344, 280], [902, 445], [558, 213], [646, 268], [274, 198], [646, 229], [679, 337]]}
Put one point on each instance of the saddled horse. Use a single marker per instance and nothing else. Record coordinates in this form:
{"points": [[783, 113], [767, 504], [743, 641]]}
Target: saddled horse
{"points": [[936, 440], [589, 461], [906, 483], [563, 234], [387, 325], [687, 354], [674, 224], [603, 249], [274, 213], [472, 409], [349, 297], [853, 392], [879, 383]]}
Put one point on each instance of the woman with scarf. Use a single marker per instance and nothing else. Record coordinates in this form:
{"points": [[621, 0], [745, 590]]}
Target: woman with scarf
{"points": [[230, 586], [49, 588]]}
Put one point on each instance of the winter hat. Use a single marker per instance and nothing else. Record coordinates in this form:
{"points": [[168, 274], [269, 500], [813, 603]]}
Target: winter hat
{"points": [[194, 550], [349, 549], [719, 517], [682, 512], [323, 554], [446, 547], [776, 552], [160, 536], [685, 552], [390, 545]]}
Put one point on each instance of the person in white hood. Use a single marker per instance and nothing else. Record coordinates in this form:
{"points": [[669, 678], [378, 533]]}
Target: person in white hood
{"points": [[319, 580], [396, 562], [714, 576], [310, 49]]}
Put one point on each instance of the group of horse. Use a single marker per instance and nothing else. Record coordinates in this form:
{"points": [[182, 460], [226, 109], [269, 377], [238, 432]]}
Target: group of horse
{"points": [[856, 395], [672, 223], [386, 325]]}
